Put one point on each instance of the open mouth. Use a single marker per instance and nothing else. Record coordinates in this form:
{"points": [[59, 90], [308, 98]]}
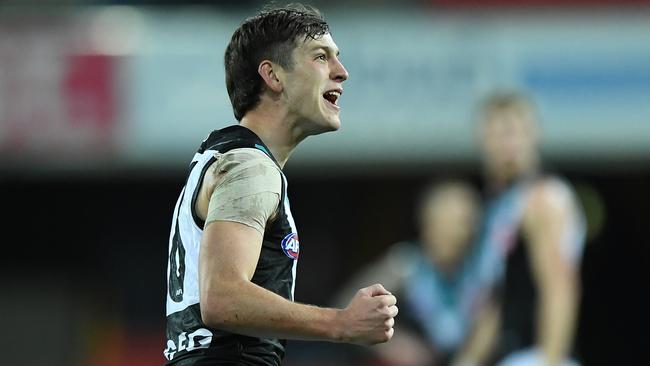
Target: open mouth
{"points": [[332, 97]]}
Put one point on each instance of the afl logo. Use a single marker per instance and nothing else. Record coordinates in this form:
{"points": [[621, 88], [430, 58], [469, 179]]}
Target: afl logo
{"points": [[291, 245]]}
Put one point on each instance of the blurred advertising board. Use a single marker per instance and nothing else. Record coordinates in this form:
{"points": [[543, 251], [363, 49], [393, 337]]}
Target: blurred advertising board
{"points": [[142, 87], [58, 97]]}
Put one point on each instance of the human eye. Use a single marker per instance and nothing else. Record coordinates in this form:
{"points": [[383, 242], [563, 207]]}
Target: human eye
{"points": [[321, 56]]}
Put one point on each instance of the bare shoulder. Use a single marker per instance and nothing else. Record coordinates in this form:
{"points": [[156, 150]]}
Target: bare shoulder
{"points": [[550, 202], [250, 160], [240, 164], [550, 193]]}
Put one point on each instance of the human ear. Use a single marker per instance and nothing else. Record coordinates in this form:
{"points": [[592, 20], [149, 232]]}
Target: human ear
{"points": [[269, 73]]}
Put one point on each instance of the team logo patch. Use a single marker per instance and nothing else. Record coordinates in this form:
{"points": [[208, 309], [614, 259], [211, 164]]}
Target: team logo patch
{"points": [[291, 245]]}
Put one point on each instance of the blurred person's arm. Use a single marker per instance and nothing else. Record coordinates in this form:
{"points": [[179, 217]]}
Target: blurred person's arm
{"points": [[238, 197], [547, 218], [479, 346], [390, 270], [406, 348]]}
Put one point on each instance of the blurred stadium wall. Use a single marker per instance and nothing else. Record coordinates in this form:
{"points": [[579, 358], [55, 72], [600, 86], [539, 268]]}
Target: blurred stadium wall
{"points": [[102, 105]]}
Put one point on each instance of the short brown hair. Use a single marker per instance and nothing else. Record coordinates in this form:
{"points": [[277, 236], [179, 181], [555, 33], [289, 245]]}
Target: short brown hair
{"points": [[272, 34], [507, 100]]}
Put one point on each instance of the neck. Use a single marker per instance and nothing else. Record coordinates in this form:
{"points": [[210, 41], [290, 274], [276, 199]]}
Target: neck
{"points": [[447, 268], [271, 122], [501, 177]]}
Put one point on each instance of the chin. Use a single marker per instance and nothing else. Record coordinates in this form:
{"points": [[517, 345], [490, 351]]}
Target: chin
{"points": [[335, 125], [327, 125]]}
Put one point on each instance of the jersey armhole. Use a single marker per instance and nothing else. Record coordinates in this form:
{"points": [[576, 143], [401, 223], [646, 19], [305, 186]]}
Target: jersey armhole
{"points": [[280, 208], [197, 220]]}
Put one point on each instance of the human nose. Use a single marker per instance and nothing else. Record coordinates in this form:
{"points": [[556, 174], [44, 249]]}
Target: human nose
{"points": [[338, 71]]}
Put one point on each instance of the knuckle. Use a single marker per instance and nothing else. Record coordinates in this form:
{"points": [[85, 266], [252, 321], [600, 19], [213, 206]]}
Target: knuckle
{"points": [[390, 312], [361, 292], [387, 335], [392, 299], [388, 300]]}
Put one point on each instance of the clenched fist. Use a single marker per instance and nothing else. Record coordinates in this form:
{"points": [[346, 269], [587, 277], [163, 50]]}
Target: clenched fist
{"points": [[369, 318]]}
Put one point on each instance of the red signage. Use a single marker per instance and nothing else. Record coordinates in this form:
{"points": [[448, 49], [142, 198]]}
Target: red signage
{"points": [[57, 103]]}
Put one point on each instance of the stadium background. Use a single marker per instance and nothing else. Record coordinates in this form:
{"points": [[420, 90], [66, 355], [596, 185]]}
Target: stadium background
{"points": [[102, 104]]}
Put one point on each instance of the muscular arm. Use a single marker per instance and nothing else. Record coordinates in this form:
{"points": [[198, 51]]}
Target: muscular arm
{"points": [[230, 249], [548, 216], [230, 301]]}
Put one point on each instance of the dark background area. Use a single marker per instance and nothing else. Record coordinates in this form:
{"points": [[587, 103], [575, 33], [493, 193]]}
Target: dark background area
{"points": [[104, 238]]}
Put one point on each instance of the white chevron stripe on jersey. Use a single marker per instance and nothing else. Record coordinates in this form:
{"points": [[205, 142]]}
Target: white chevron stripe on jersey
{"points": [[190, 235]]}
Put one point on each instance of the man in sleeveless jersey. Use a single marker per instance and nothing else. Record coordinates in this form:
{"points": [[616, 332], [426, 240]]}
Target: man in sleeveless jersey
{"points": [[234, 246], [535, 226], [437, 280]]}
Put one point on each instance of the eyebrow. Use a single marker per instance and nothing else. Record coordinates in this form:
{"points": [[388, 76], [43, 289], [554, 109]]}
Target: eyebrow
{"points": [[326, 49]]}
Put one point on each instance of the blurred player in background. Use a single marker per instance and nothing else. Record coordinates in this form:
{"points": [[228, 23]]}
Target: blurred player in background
{"points": [[535, 223], [233, 246], [438, 283]]}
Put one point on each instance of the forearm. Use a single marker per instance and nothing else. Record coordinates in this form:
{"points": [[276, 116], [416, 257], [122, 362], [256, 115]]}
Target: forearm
{"points": [[480, 344], [230, 301], [406, 349], [245, 308], [556, 321]]}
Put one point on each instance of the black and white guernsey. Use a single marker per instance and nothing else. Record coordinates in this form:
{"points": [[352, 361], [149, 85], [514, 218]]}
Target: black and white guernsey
{"points": [[189, 340]]}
